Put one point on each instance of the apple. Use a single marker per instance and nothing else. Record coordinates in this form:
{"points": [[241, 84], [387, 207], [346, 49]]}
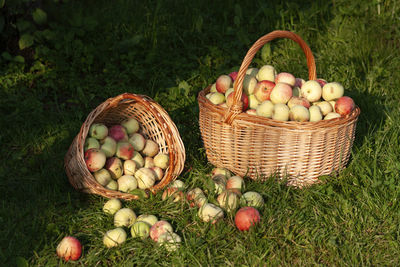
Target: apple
{"points": [[140, 229], [299, 113], [98, 131], [311, 90], [263, 90], [91, 142], [130, 167], [249, 84], [252, 199], [161, 160], [253, 102], [131, 125], [112, 185], [124, 150], [213, 88], [235, 182], [108, 146], [95, 159], [296, 91], [285, 77], [124, 217], [223, 83], [102, 176], [149, 162], [114, 166], [298, 83], [266, 72], [114, 237], [174, 193], [315, 113], [150, 148], [146, 178], [138, 159], [281, 93], [233, 75], [332, 115], [295, 100], [208, 96], [118, 133], [217, 98], [247, 217], [159, 172], [344, 105], [265, 109], [148, 218], [196, 197], [112, 206], [171, 241], [69, 248], [160, 228], [219, 183], [280, 112], [230, 90], [228, 200], [321, 82], [210, 213], [178, 184], [252, 72], [251, 111], [223, 105], [332, 91], [138, 141], [325, 107], [333, 103], [127, 183], [223, 171]]}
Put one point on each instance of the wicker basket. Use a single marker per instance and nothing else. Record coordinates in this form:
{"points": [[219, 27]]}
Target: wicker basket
{"points": [[259, 147], [155, 124]]}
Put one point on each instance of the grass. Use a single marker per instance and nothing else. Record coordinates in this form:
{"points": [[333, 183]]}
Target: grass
{"points": [[170, 50]]}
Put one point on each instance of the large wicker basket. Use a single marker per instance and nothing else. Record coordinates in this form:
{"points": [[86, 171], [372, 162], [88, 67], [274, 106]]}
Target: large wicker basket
{"points": [[155, 124], [260, 147]]}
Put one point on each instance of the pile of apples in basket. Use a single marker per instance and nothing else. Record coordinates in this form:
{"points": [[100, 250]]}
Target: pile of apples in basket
{"points": [[282, 96], [122, 159]]}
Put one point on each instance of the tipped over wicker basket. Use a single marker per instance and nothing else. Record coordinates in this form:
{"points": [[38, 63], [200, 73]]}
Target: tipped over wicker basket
{"points": [[155, 124], [259, 147]]}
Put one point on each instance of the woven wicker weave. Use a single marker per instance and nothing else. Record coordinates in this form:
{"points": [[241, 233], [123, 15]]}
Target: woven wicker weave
{"points": [[155, 124], [260, 147]]}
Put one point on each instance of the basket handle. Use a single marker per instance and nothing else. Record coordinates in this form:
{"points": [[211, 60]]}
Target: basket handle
{"points": [[236, 107]]}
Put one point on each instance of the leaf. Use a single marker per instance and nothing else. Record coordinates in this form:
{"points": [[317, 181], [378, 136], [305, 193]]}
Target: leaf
{"points": [[21, 262], [6, 56], [23, 25], [19, 59], [39, 16], [26, 40], [140, 193], [266, 52], [2, 2]]}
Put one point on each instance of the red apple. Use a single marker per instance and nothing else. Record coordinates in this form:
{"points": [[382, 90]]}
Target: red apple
{"points": [[263, 89], [95, 159], [69, 248], [285, 77], [118, 133], [344, 105], [233, 75], [322, 82], [124, 150], [223, 83], [246, 217]]}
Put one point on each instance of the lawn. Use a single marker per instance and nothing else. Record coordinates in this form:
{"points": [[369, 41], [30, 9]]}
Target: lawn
{"points": [[88, 51]]}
